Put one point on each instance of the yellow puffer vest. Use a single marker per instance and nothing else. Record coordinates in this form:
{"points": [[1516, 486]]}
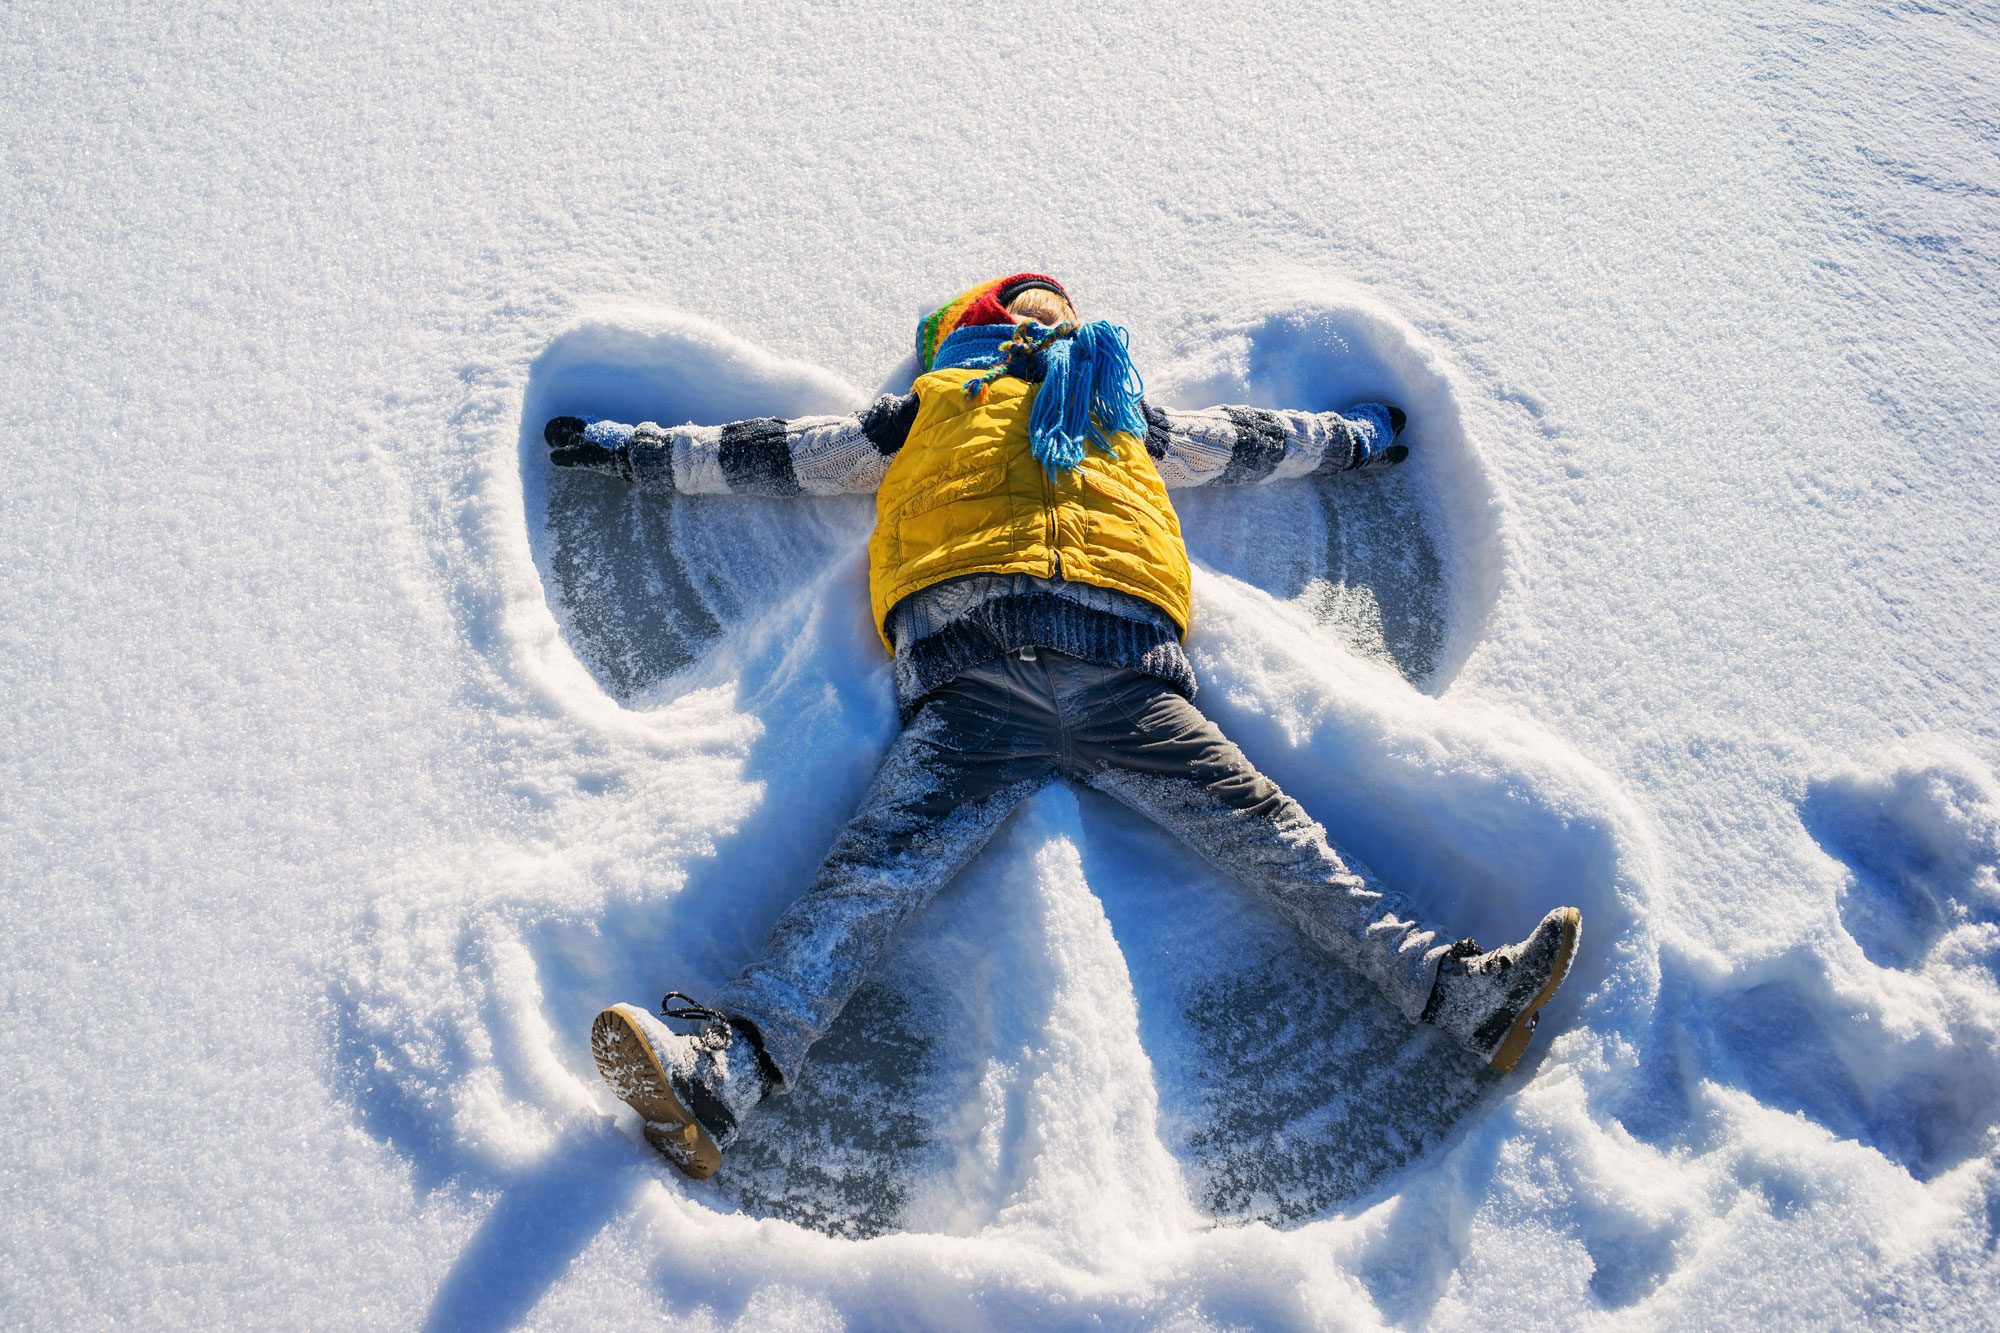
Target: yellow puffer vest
{"points": [[966, 496]]}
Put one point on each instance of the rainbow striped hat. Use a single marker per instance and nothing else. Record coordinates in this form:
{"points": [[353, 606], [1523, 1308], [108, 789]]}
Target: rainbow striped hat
{"points": [[984, 304]]}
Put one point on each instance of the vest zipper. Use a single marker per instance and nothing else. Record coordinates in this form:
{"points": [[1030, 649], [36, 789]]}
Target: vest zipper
{"points": [[1049, 509]]}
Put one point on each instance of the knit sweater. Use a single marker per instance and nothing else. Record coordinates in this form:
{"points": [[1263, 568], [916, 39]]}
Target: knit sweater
{"points": [[949, 627], [953, 626], [829, 455]]}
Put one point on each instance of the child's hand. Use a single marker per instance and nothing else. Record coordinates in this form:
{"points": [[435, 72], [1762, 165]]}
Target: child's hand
{"points": [[570, 445]]}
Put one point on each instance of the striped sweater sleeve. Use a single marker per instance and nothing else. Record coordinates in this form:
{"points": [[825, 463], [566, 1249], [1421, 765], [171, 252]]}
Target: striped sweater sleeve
{"points": [[774, 455], [1239, 446]]}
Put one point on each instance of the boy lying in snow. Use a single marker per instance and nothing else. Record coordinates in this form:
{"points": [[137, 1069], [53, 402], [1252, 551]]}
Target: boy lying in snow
{"points": [[1028, 575]]}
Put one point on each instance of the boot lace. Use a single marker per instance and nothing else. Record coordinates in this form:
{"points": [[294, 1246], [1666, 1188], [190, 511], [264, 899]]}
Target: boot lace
{"points": [[717, 1031]]}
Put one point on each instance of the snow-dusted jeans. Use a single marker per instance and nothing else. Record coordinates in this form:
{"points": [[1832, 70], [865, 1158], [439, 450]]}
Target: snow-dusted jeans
{"points": [[992, 737]]}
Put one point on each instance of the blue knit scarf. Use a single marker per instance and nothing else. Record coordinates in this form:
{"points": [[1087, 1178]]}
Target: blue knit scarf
{"points": [[1090, 390]]}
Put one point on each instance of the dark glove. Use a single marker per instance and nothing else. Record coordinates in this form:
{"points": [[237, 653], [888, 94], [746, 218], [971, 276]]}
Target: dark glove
{"points": [[568, 447], [1379, 443]]}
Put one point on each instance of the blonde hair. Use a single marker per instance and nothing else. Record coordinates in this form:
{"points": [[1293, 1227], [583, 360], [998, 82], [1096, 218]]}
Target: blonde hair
{"points": [[1041, 305]]}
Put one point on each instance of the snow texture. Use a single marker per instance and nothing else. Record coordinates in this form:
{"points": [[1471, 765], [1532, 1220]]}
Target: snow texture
{"points": [[352, 759]]}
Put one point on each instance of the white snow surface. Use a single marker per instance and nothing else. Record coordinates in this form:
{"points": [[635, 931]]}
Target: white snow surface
{"points": [[350, 760]]}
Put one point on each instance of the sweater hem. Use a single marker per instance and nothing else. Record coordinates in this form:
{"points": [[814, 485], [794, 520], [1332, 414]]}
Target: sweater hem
{"points": [[1037, 620]]}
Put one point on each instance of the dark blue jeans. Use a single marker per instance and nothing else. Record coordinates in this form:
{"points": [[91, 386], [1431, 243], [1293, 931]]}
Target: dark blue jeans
{"points": [[991, 738]]}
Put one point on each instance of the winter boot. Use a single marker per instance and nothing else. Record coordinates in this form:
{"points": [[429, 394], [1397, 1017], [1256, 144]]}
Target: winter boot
{"points": [[692, 1092], [1491, 1001]]}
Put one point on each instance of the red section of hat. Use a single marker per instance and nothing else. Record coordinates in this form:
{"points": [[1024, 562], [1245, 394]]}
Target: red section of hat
{"points": [[988, 309]]}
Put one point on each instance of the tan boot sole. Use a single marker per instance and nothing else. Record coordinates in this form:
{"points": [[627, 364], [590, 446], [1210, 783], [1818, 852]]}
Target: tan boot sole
{"points": [[630, 1065], [1516, 1040]]}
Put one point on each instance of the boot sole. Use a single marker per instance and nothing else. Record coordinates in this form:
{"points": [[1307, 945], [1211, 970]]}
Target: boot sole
{"points": [[1516, 1041], [632, 1067]]}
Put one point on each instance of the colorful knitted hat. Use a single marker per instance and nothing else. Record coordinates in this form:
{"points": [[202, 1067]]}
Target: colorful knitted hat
{"points": [[984, 304]]}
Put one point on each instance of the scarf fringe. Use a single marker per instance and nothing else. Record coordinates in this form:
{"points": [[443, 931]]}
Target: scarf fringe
{"points": [[1090, 389]]}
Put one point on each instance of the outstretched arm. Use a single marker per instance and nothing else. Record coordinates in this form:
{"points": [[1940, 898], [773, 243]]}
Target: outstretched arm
{"points": [[761, 456], [1238, 446]]}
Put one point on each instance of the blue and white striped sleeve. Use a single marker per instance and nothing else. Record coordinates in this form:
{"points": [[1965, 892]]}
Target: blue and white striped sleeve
{"points": [[775, 456], [1240, 446]]}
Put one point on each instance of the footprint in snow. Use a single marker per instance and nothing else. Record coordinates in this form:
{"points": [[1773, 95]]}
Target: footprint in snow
{"points": [[1892, 1043], [1921, 842]]}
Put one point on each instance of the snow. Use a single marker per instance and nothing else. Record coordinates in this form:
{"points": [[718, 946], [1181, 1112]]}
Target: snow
{"points": [[351, 760]]}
